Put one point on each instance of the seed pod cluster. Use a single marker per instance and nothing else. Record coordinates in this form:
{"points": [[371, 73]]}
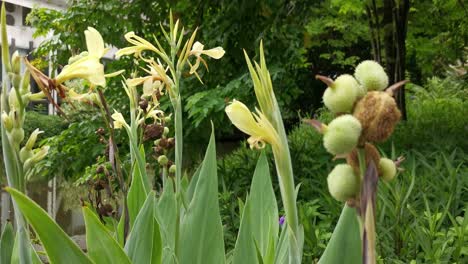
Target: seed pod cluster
{"points": [[365, 114]]}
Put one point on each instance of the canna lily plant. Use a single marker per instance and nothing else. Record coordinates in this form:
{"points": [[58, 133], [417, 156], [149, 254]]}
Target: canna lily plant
{"points": [[181, 222]]}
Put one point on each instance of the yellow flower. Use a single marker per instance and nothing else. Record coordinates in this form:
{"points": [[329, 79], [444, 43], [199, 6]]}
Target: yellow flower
{"points": [[197, 51], [139, 45], [88, 66], [119, 120], [255, 125], [156, 80]]}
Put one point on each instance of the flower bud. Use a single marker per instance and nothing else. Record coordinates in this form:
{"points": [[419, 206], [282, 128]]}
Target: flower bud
{"points": [[39, 154], [342, 134], [341, 95], [25, 154], [7, 122], [371, 154], [387, 169], [162, 160], [32, 139], [343, 184], [16, 62], [172, 169], [371, 75], [378, 114], [17, 135]]}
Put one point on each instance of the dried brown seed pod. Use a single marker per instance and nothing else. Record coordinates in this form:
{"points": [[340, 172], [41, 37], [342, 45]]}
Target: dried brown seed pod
{"points": [[371, 154], [158, 150], [143, 104], [152, 132], [170, 143], [378, 114], [100, 131]]}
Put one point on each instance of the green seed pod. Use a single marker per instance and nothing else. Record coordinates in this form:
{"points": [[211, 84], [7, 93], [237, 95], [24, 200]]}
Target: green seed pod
{"points": [[172, 169], [387, 169], [340, 96], [371, 75], [162, 160], [342, 182], [166, 131], [342, 134]]}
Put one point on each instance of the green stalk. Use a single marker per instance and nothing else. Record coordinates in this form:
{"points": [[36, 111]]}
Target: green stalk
{"points": [[15, 178], [176, 102], [366, 221]]}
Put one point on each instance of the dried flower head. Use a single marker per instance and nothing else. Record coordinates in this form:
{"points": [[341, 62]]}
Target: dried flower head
{"points": [[378, 114]]}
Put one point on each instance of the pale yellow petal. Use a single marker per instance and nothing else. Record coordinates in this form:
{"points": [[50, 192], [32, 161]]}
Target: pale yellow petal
{"points": [[94, 42], [215, 53], [242, 118], [197, 48]]}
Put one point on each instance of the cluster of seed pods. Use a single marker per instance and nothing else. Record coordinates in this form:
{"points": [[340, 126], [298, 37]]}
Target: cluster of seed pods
{"points": [[366, 113]]}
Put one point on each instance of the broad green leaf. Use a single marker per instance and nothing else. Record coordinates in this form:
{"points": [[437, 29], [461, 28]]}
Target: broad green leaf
{"points": [[282, 247], [119, 234], [102, 248], [6, 243], [144, 242], [345, 239], [58, 246], [166, 213], [136, 194], [193, 184], [259, 224], [201, 232]]}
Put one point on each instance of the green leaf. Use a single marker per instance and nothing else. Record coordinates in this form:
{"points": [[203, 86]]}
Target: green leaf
{"points": [[345, 239], [102, 248], [32, 257], [6, 243], [144, 242], [201, 233], [259, 223], [166, 214], [136, 194], [58, 246]]}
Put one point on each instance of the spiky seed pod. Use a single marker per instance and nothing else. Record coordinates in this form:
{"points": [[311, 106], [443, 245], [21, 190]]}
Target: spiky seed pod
{"points": [[343, 184], [387, 169], [371, 75], [342, 134], [342, 94], [378, 114], [172, 169], [371, 154], [162, 160]]}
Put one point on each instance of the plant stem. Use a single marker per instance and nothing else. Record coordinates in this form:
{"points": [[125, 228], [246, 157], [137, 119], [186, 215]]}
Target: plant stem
{"points": [[367, 218], [176, 102]]}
